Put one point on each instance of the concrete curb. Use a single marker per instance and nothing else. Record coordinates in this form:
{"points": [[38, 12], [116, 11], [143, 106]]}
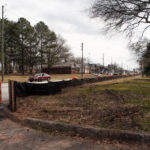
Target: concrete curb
{"points": [[73, 130], [93, 133], [6, 112]]}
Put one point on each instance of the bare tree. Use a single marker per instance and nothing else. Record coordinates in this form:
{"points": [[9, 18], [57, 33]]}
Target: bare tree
{"points": [[142, 50], [125, 15], [140, 47], [64, 50]]}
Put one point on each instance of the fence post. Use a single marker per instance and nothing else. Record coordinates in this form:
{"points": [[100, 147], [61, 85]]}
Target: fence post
{"points": [[12, 96]]}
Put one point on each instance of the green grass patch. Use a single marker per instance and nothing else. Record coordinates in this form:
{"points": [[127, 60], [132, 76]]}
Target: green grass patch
{"points": [[121, 104]]}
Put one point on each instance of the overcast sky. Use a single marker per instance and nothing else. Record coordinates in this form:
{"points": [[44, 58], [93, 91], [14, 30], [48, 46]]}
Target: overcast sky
{"points": [[70, 19]]}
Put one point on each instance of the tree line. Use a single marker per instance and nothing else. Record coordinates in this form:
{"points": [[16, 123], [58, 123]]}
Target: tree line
{"points": [[27, 46]]}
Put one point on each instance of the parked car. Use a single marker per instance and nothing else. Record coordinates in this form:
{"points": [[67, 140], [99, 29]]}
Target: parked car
{"points": [[40, 77], [116, 74], [110, 74], [97, 74]]}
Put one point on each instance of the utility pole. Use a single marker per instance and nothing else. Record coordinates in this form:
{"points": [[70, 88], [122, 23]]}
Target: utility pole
{"points": [[2, 46], [103, 60], [122, 68], [82, 60]]}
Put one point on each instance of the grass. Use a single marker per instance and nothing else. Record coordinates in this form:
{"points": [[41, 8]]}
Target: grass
{"points": [[117, 104], [24, 78]]}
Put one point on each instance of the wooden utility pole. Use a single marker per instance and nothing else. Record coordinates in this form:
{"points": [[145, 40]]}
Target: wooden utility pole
{"points": [[103, 60], [82, 60], [2, 46]]}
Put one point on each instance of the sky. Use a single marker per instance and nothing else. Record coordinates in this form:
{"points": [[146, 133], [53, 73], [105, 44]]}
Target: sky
{"points": [[70, 19]]}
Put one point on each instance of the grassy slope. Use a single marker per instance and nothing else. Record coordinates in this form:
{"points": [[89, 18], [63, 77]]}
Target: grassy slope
{"points": [[120, 104]]}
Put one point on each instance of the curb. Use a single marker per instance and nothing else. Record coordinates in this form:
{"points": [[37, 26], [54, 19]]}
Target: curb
{"points": [[93, 133], [73, 130], [6, 112]]}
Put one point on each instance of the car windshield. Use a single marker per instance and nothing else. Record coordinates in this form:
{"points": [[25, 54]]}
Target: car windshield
{"points": [[45, 74], [37, 75]]}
